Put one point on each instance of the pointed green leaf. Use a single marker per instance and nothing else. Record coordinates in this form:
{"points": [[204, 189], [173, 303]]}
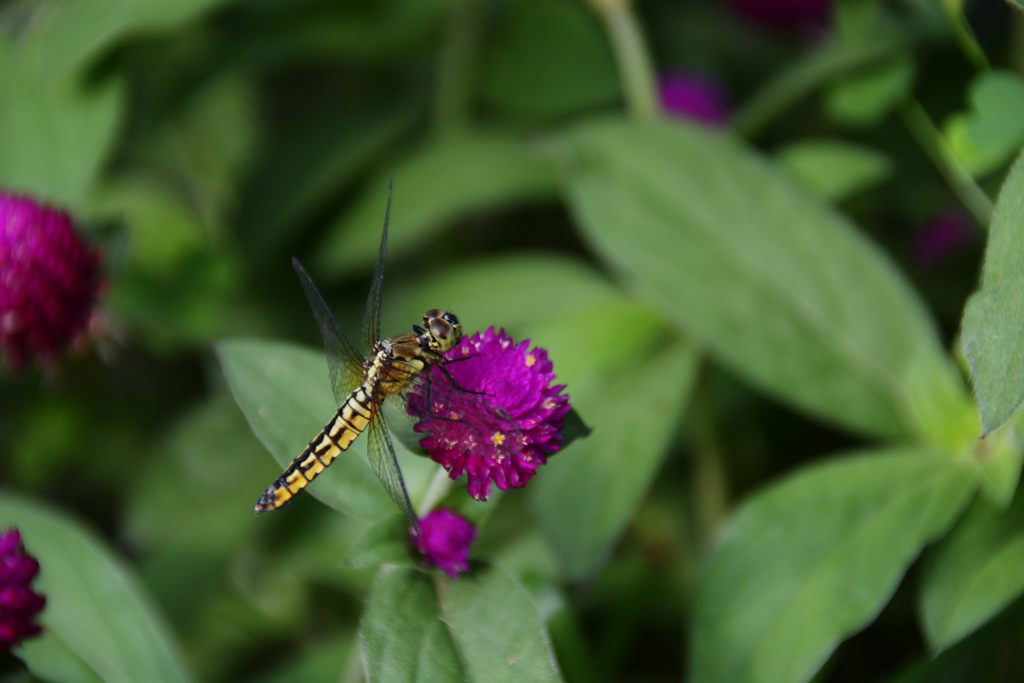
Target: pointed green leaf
{"points": [[284, 392], [773, 283], [994, 316], [812, 559], [584, 497], [974, 573], [445, 180], [481, 627], [94, 606]]}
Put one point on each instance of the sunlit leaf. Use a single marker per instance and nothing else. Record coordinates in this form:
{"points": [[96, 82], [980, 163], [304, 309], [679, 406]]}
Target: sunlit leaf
{"points": [[94, 606], [994, 315], [447, 179], [285, 394], [992, 131], [812, 559], [834, 169], [974, 573], [757, 271]]}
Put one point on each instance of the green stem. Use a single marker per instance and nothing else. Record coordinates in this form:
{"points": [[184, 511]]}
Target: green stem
{"points": [[456, 68], [710, 488], [965, 36], [635, 71], [959, 180], [439, 487]]}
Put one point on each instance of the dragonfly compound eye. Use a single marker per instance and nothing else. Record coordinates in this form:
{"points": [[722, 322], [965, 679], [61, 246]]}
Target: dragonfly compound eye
{"points": [[440, 329]]}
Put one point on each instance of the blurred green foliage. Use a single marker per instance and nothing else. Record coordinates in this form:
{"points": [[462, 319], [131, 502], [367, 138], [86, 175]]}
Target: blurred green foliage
{"points": [[750, 317]]}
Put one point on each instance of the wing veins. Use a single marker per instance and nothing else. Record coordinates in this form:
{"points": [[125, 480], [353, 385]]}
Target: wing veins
{"points": [[344, 362]]}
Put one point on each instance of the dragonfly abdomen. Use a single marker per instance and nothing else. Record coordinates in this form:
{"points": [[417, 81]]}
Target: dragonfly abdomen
{"points": [[334, 439]]}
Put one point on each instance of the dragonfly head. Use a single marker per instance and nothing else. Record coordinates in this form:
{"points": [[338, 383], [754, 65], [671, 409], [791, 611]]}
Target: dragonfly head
{"points": [[444, 330]]}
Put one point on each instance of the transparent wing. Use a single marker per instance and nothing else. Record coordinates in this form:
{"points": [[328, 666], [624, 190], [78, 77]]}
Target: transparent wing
{"points": [[385, 465], [344, 362], [371, 317], [434, 398]]}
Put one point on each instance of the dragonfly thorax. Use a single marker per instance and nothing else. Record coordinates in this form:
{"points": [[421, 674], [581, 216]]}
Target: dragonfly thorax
{"points": [[441, 330]]}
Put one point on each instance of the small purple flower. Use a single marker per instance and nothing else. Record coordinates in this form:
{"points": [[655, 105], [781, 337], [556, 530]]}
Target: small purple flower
{"points": [[444, 541], [19, 604], [49, 281], [785, 13], [504, 434], [945, 235], [693, 97]]}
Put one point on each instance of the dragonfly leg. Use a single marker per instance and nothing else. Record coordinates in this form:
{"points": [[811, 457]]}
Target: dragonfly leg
{"points": [[429, 408], [451, 380]]}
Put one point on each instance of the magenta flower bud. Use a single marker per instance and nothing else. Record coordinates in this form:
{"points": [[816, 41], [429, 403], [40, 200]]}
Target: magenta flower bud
{"points": [[19, 604], [444, 541], [689, 96], [49, 281], [503, 434], [943, 237], [785, 13]]}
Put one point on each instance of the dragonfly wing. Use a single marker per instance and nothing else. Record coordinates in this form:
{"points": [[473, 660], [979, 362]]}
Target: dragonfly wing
{"points": [[344, 362], [384, 463], [371, 317]]}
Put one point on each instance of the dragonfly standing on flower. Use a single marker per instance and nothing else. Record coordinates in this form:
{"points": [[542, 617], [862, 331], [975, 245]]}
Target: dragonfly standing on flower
{"points": [[362, 382]]}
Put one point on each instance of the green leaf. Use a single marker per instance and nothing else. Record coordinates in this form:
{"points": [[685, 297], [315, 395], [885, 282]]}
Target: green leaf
{"points": [[497, 631], [72, 34], [447, 179], [994, 316], [401, 634], [548, 59], [586, 494], [1019, 4], [833, 168], [812, 559], [866, 97], [49, 658], [480, 627], [564, 285], [182, 488], [825, 65], [94, 606], [386, 542], [54, 137], [993, 130], [759, 273], [284, 392], [974, 573]]}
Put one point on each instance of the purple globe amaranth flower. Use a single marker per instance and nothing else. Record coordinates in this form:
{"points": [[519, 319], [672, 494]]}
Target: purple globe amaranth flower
{"points": [[19, 604], [942, 237], [503, 434], [693, 97], [785, 13], [49, 281], [444, 540]]}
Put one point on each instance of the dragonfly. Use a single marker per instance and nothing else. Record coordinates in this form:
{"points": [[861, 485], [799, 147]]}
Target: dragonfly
{"points": [[362, 382]]}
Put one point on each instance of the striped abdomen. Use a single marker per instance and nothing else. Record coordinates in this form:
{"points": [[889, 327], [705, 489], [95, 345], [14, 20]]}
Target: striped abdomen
{"points": [[335, 438]]}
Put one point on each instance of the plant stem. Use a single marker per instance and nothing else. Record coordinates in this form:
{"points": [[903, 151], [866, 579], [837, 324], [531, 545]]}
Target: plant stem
{"points": [[965, 36], [635, 71], [455, 73], [710, 489], [959, 180], [439, 487]]}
